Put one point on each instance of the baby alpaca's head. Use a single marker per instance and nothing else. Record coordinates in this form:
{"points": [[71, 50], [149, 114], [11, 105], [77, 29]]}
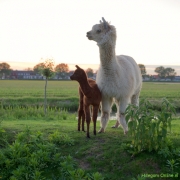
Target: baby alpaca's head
{"points": [[102, 32], [79, 74]]}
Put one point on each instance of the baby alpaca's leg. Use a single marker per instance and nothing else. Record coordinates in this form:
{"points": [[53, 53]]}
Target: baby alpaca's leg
{"points": [[95, 114]]}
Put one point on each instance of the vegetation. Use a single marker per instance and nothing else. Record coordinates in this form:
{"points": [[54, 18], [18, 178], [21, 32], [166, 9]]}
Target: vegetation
{"points": [[35, 146], [54, 149], [4, 70], [165, 72], [89, 72], [64, 94], [148, 128], [47, 72], [142, 69], [62, 70], [34, 155]]}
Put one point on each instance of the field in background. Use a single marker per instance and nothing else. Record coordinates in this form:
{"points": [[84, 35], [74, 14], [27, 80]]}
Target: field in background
{"points": [[64, 94]]}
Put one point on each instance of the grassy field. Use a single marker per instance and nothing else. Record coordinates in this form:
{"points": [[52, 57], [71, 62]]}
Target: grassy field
{"points": [[64, 94], [107, 153]]}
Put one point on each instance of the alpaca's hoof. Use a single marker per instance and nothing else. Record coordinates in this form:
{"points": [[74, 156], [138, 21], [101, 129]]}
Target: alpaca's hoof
{"points": [[94, 132], [125, 132], [115, 126], [101, 130]]}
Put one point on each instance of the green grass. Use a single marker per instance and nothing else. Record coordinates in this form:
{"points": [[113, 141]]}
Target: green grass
{"points": [[21, 105], [104, 153], [64, 94]]}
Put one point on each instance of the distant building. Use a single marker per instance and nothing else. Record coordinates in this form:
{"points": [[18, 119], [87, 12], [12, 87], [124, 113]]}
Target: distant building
{"points": [[176, 78], [25, 75]]}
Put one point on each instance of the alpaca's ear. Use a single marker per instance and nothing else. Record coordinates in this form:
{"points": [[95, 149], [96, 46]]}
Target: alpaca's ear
{"points": [[78, 67], [105, 23]]}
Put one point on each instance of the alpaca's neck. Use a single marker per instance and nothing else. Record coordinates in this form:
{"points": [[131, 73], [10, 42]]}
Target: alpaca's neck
{"points": [[85, 87], [107, 54]]}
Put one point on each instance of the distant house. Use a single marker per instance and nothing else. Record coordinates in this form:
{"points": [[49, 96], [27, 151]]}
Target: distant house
{"points": [[176, 78], [155, 76], [25, 75]]}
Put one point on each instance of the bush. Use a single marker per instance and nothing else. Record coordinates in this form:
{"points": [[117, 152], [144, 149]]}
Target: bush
{"points": [[32, 155], [147, 128]]}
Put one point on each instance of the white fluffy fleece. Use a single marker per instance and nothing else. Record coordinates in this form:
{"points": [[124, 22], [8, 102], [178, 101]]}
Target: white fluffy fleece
{"points": [[118, 77]]}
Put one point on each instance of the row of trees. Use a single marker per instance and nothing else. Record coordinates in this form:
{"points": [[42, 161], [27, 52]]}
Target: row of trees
{"points": [[62, 70], [161, 71]]}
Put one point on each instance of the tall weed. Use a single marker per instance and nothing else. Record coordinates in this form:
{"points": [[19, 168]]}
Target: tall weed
{"points": [[34, 112], [147, 128]]}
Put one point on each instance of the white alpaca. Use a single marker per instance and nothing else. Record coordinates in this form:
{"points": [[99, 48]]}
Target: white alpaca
{"points": [[118, 77]]}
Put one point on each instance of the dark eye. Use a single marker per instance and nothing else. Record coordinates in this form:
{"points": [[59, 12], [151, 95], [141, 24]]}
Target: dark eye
{"points": [[98, 31]]}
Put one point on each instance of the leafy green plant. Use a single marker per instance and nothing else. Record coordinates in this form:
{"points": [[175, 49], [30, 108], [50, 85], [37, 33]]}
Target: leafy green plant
{"points": [[3, 140], [32, 154], [60, 138], [147, 128], [165, 152], [172, 165]]}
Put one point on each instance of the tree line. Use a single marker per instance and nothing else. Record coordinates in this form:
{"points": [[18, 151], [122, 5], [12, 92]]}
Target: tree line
{"points": [[62, 70], [161, 71]]}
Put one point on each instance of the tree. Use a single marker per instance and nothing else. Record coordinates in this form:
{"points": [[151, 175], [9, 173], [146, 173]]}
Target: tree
{"points": [[170, 73], [161, 71], [4, 69], [142, 69], [62, 70], [39, 67], [165, 72], [89, 72], [47, 71]]}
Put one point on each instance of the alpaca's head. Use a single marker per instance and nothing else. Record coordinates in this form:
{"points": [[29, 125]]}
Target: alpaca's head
{"points": [[103, 32], [79, 74]]}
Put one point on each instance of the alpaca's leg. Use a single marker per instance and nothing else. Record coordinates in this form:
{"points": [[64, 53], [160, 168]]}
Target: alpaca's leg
{"points": [[95, 114], [135, 99], [81, 114], [123, 105], [88, 119], [105, 112], [117, 116], [83, 120]]}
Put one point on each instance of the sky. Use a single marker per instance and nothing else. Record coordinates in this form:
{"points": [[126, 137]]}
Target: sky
{"points": [[147, 30]]}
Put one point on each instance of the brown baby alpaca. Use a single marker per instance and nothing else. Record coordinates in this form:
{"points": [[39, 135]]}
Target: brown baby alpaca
{"points": [[89, 94]]}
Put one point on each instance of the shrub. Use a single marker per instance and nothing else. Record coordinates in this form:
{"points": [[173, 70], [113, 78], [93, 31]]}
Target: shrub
{"points": [[32, 155], [147, 128]]}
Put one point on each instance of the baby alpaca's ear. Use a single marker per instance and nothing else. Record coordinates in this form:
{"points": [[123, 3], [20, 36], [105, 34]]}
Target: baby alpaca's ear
{"points": [[78, 67]]}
